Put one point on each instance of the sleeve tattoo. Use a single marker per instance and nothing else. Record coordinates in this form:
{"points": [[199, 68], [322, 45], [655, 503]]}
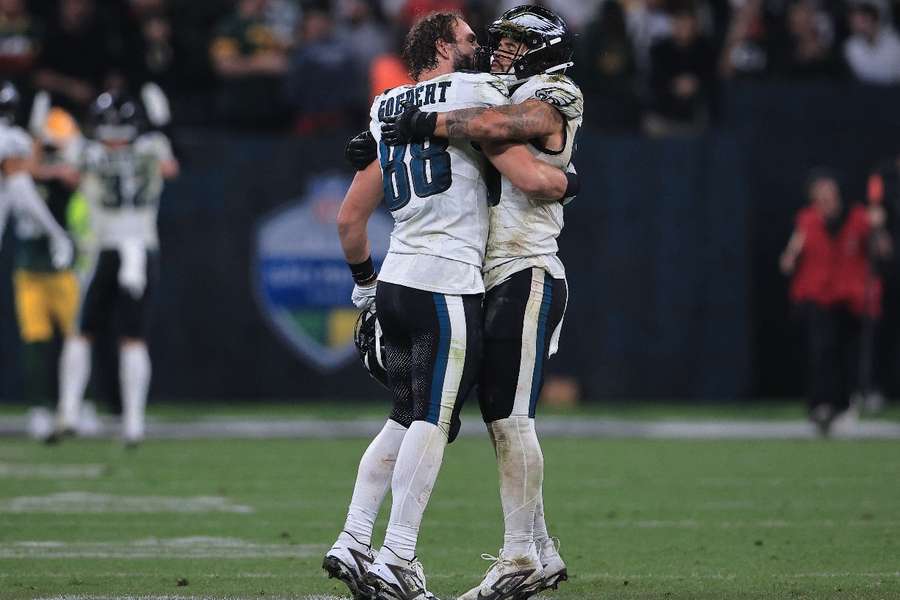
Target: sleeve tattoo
{"points": [[511, 122]]}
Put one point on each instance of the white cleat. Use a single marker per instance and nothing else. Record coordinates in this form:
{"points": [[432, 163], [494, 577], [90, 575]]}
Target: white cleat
{"points": [[554, 567], [393, 578], [509, 578], [348, 560]]}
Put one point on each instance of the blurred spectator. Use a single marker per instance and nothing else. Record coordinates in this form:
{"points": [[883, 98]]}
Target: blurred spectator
{"points": [[323, 85], [155, 48], [576, 14], [744, 51], [681, 78], [282, 17], [605, 67], [362, 32], [251, 59], [19, 40], [805, 49], [835, 290], [648, 22], [388, 70], [880, 335], [75, 59], [873, 48], [407, 12], [246, 46]]}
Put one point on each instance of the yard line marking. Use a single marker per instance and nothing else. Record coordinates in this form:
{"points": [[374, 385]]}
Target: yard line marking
{"points": [[732, 576], [177, 548], [50, 471], [581, 427], [751, 481], [760, 524], [729, 505], [86, 502], [149, 597]]}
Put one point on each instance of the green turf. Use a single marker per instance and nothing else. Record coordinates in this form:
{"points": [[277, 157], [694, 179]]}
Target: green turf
{"points": [[638, 519]]}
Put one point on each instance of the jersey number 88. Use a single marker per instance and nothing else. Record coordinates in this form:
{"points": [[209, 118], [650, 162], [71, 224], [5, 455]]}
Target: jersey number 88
{"points": [[429, 166]]}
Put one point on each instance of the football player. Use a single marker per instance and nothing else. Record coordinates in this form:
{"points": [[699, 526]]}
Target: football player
{"points": [[46, 295], [525, 280], [18, 194], [428, 294], [123, 171], [46, 291]]}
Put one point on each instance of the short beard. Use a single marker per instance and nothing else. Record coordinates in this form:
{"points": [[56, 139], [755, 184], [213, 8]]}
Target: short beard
{"points": [[461, 62]]}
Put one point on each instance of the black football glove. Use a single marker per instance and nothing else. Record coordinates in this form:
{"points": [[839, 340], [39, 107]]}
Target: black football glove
{"points": [[412, 125], [573, 185], [361, 150]]}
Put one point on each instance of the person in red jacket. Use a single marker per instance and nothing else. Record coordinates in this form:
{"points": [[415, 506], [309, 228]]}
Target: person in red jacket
{"points": [[835, 288]]}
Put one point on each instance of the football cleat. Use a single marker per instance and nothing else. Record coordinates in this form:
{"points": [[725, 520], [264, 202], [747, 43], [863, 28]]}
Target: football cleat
{"points": [[554, 567], [396, 579], [509, 578], [58, 435], [348, 561]]}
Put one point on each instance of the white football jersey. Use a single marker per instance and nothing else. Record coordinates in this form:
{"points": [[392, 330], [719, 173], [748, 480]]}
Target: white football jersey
{"points": [[15, 142], [436, 191], [523, 233], [123, 187]]}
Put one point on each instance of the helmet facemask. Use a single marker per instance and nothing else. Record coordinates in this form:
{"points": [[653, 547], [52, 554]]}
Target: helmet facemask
{"points": [[544, 44], [116, 119]]}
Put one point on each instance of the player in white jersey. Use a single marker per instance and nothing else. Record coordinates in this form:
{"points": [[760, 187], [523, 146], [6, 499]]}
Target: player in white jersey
{"points": [[525, 280], [18, 194], [429, 295], [123, 172]]}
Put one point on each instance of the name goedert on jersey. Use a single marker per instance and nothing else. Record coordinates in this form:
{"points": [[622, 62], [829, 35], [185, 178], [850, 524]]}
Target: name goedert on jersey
{"points": [[392, 101], [430, 93]]}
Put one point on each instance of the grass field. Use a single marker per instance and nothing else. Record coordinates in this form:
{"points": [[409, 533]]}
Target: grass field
{"points": [[637, 518]]}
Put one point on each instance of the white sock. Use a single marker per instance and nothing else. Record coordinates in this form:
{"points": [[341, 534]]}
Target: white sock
{"points": [[521, 466], [372, 480], [540, 525], [134, 373], [74, 371], [415, 473]]}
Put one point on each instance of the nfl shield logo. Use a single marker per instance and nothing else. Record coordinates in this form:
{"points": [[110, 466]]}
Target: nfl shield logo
{"points": [[300, 276]]}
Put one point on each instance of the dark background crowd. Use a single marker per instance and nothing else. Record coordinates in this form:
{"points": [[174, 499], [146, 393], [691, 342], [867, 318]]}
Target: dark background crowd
{"points": [[305, 65]]}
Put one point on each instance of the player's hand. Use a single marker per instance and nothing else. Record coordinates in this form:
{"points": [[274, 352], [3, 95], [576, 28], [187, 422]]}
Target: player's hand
{"points": [[574, 185], [132, 274], [364, 295], [62, 251], [132, 281], [361, 150], [412, 125]]}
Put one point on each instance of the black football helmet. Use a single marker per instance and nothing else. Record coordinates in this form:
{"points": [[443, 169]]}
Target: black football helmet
{"points": [[367, 337], [9, 102], [549, 45], [116, 117]]}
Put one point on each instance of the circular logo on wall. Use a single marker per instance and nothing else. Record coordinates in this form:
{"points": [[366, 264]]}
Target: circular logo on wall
{"points": [[301, 279]]}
